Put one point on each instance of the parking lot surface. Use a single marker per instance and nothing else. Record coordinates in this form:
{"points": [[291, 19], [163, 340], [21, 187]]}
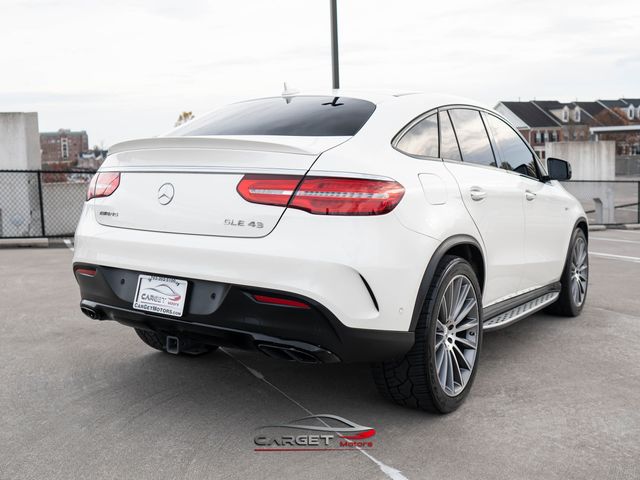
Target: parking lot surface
{"points": [[554, 398]]}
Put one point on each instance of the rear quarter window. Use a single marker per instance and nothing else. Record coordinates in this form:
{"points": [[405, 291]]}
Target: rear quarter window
{"points": [[314, 116], [421, 139]]}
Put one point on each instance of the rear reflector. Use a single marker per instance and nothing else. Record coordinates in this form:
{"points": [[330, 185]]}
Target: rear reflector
{"points": [[280, 301], [89, 272], [323, 195], [103, 184]]}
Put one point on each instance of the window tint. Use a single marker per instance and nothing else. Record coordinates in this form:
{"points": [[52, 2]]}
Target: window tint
{"points": [[448, 143], [514, 154], [472, 137], [422, 138], [314, 116]]}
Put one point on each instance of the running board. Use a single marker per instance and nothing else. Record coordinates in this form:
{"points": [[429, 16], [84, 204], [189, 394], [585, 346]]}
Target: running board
{"points": [[521, 311]]}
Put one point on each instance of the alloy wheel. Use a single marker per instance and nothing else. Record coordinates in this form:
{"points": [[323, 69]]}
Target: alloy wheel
{"points": [[579, 271], [456, 338]]}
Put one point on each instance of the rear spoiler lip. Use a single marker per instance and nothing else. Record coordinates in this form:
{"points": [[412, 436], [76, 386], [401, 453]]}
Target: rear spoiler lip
{"points": [[279, 144]]}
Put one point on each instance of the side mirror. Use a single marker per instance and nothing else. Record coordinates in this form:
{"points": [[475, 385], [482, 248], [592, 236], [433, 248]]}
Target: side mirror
{"points": [[558, 169]]}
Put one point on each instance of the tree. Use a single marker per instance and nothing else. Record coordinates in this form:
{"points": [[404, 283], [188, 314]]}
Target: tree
{"points": [[184, 118]]}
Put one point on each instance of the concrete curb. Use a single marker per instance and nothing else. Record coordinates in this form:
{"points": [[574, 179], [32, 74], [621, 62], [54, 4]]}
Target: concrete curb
{"points": [[35, 242], [24, 243], [625, 226]]}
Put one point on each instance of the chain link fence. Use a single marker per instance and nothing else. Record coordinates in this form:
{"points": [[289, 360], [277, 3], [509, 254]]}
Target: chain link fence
{"points": [[41, 203]]}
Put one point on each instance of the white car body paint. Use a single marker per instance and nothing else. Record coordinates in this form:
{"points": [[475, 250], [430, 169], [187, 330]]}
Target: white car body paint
{"points": [[323, 257]]}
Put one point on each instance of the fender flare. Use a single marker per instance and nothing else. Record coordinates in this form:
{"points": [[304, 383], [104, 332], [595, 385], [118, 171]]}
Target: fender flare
{"points": [[445, 246], [586, 234], [580, 220]]}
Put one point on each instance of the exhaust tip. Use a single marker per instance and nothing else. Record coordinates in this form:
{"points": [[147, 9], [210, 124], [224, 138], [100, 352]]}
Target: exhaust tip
{"points": [[91, 313], [287, 353]]}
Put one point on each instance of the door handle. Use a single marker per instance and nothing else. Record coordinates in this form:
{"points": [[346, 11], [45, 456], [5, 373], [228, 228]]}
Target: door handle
{"points": [[529, 195], [477, 194]]}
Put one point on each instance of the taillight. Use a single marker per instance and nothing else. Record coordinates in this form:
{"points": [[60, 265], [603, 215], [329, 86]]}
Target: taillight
{"points": [[283, 302], [323, 195], [87, 272], [268, 189], [103, 184]]}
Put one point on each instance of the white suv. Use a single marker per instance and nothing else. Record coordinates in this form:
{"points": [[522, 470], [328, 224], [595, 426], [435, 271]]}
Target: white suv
{"points": [[392, 229]]}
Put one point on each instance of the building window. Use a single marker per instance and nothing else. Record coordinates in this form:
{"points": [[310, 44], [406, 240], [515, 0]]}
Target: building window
{"points": [[554, 136], [538, 139], [565, 114], [64, 148], [630, 112], [546, 136], [576, 114]]}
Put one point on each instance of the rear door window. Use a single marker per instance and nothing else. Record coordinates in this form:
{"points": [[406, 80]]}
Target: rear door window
{"points": [[514, 154], [472, 137], [421, 139], [304, 115]]}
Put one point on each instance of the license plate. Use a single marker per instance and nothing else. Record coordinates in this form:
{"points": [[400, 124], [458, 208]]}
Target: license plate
{"points": [[160, 295]]}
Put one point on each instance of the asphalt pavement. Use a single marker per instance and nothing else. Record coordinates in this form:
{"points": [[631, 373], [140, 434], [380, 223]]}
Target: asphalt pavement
{"points": [[554, 398]]}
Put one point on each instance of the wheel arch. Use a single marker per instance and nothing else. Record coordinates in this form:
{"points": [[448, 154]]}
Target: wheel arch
{"points": [[582, 224], [464, 246]]}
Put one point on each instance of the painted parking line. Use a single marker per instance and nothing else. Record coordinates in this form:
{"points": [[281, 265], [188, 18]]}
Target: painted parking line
{"points": [[608, 239], [390, 472], [623, 258], [69, 244]]}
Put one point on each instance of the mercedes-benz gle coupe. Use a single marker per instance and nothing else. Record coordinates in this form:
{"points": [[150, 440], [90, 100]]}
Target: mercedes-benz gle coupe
{"points": [[339, 227]]}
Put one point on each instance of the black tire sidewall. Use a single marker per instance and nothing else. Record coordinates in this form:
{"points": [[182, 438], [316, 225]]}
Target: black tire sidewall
{"points": [[454, 266], [566, 274]]}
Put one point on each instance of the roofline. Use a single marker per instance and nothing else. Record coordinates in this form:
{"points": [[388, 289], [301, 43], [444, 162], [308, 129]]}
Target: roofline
{"points": [[545, 112], [526, 125], [611, 110], [63, 131]]}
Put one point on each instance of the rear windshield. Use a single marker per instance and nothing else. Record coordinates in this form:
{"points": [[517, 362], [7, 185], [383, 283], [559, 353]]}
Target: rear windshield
{"points": [[313, 116]]}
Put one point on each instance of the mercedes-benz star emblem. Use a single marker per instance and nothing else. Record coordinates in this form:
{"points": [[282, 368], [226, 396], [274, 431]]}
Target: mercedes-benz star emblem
{"points": [[166, 193]]}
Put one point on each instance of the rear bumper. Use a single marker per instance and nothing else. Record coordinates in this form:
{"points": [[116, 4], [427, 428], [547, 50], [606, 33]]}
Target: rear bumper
{"points": [[366, 272], [228, 315]]}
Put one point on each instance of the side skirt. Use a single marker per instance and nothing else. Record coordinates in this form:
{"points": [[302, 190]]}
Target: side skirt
{"points": [[510, 311]]}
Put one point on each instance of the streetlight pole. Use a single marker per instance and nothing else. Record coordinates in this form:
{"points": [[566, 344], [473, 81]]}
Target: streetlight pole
{"points": [[335, 69]]}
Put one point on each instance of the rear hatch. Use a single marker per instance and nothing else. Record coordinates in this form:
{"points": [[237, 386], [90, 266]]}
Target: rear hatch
{"points": [[188, 184]]}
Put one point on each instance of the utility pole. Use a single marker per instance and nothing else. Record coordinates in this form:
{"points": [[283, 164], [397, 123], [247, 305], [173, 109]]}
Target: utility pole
{"points": [[335, 69]]}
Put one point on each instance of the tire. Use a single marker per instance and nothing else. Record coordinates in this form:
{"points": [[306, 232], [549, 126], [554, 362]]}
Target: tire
{"points": [[159, 341], [568, 304], [413, 379]]}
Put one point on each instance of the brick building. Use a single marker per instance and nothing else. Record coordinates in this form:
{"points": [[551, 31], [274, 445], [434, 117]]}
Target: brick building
{"points": [[624, 129], [62, 148], [545, 121]]}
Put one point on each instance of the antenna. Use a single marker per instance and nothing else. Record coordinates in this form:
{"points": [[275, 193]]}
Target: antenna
{"points": [[288, 93], [335, 69]]}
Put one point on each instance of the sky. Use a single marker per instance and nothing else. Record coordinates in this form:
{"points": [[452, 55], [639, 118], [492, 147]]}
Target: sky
{"points": [[121, 69]]}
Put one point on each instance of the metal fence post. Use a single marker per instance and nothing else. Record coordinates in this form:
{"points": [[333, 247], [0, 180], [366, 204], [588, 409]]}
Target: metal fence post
{"points": [[41, 204], [638, 204]]}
